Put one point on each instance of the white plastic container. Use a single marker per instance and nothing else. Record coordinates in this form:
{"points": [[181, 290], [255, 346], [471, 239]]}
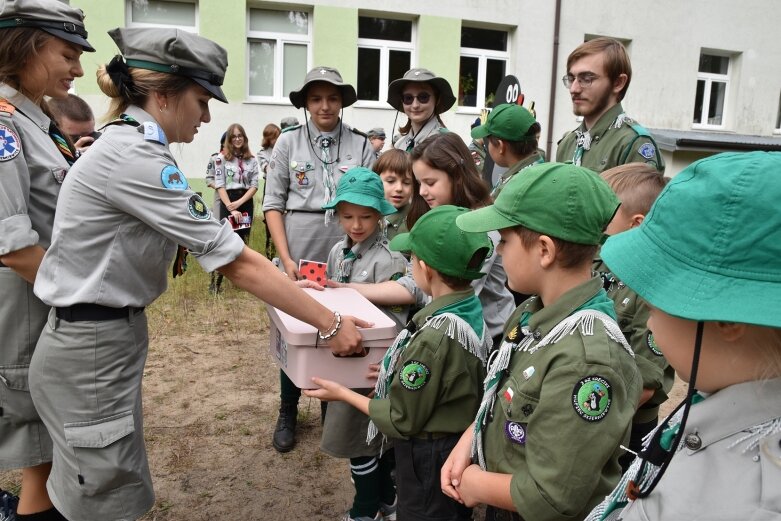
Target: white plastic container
{"points": [[302, 355]]}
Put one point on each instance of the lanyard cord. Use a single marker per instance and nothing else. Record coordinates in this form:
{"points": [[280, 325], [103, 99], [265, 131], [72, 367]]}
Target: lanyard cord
{"points": [[312, 146]]}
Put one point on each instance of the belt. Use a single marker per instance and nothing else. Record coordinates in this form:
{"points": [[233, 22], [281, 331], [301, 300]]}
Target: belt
{"points": [[94, 313]]}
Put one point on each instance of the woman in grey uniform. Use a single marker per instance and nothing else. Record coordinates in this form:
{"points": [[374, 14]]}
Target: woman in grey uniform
{"points": [[422, 96], [115, 234], [306, 164], [34, 158]]}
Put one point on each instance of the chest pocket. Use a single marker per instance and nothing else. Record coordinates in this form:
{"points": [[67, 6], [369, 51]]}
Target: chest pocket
{"points": [[59, 173], [230, 174], [301, 174], [518, 400]]}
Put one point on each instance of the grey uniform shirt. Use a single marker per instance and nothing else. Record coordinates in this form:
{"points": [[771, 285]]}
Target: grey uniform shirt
{"points": [[122, 210], [31, 172], [409, 141], [295, 172], [236, 173]]}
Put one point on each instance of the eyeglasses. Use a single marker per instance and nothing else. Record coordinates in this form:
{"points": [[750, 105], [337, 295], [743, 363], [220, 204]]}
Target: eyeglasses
{"points": [[409, 99], [585, 79], [237, 136]]}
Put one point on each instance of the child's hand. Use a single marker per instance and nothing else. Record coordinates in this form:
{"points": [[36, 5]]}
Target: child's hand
{"points": [[306, 283], [374, 372], [468, 485], [329, 391], [460, 458], [333, 284]]}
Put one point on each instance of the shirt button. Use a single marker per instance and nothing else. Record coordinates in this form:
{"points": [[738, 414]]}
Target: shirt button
{"points": [[359, 256], [693, 442], [537, 335]]}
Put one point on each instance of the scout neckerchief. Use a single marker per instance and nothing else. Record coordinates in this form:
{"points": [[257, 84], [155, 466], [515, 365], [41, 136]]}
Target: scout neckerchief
{"points": [[62, 145], [346, 257], [521, 339], [583, 138], [329, 184], [465, 324]]}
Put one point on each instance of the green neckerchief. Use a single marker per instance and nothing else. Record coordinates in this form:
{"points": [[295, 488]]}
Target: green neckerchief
{"points": [[348, 255], [469, 309]]}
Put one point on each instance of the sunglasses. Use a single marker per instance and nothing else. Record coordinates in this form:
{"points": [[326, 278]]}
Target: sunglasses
{"points": [[409, 99]]}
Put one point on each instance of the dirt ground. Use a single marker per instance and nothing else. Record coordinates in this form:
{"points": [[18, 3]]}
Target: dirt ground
{"points": [[210, 401]]}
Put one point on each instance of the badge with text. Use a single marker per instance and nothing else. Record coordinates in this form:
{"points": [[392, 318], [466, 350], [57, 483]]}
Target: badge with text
{"points": [[173, 178], [313, 270], [9, 144], [591, 398], [649, 340], [414, 375], [648, 151], [197, 208], [515, 432]]}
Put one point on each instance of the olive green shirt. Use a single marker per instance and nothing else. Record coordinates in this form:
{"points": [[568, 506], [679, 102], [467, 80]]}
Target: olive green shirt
{"points": [[396, 223], [533, 159], [562, 463], [614, 140], [448, 400]]}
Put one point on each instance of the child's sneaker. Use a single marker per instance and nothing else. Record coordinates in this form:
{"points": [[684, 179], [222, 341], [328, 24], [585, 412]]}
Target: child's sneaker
{"points": [[377, 517], [8, 504], [389, 511]]}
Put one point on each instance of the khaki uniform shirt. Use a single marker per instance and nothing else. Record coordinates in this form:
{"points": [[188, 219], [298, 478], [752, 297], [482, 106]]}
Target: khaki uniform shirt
{"points": [[447, 401], [396, 223], [235, 174], [122, 211], [632, 317], [562, 463], [533, 159], [715, 475], [409, 140], [613, 142], [264, 158]]}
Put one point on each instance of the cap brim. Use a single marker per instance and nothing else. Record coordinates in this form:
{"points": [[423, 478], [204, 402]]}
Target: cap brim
{"points": [[382, 206], [655, 272], [214, 90], [480, 132], [349, 96], [70, 37], [484, 220], [401, 242], [445, 99]]}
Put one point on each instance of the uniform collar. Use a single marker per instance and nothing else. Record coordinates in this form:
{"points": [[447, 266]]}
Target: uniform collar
{"points": [[395, 219], [544, 319], [143, 117], [520, 165], [24, 105], [438, 303], [316, 133], [604, 123], [362, 247], [734, 409]]}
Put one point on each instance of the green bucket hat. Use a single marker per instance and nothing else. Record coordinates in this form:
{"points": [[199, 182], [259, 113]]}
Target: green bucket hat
{"points": [[510, 122], [439, 243], [328, 75], [564, 201], [361, 186], [445, 97], [709, 249]]}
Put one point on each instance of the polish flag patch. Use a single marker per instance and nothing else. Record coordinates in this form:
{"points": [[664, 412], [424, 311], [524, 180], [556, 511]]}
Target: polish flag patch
{"points": [[508, 394]]}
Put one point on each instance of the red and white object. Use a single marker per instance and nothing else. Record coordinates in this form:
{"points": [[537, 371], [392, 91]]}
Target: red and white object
{"points": [[302, 355]]}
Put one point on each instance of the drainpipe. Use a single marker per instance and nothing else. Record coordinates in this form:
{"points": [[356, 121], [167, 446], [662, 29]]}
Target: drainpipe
{"points": [[553, 79]]}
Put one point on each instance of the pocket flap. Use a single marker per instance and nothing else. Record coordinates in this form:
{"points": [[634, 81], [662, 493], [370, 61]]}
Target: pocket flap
{"points": [[15, 377], [98, 434]]}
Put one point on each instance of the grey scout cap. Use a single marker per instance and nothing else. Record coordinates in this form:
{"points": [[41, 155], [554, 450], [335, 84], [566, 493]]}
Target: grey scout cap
{"points": [[289, 121], [376, 133], [53, 16], [174, 51], [445, 97], [328, 75]]}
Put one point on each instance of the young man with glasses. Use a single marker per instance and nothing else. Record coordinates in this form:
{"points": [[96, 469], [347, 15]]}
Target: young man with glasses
{"points": [[598, 76]]}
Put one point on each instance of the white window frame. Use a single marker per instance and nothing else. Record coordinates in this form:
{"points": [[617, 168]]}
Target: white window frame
{"points": [[482, 55], [710, 78], [279, 97], [385, 46], [189, 28]]}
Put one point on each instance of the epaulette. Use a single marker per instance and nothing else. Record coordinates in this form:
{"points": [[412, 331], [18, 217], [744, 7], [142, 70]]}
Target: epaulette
{"points": [[356, 131], [640, 129], [6, 108], [294, 127]]}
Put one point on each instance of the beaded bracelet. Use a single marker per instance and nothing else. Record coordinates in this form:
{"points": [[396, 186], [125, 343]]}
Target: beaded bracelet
{"points": [[333, 332]]}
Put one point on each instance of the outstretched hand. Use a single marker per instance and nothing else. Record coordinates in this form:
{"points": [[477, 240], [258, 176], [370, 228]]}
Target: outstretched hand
{"points": [[328, 390], [348, 340]]}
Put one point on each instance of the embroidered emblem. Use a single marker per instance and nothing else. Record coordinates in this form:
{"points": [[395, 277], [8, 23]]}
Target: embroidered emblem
{"points": [[198, 208], [414, 375], [59, 174], [7, 107], [302, 179], [527, 409], [591, 398], [528, 372], [508, 394], [515, 432], [173, 178], [649, 340], [647, 151], [512, 336], [9, 144], [322, 71]]}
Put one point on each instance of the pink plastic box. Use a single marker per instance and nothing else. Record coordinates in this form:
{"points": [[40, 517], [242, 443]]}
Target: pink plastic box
{"points": [[302, 355]]}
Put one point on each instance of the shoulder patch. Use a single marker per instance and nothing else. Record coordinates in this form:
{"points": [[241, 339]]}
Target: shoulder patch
{"points": [[198, 208], [288, 129], [648, 151], [591, 398], [651, 343], [173, 178], [10, 146], [5, 106], [414, 375]]}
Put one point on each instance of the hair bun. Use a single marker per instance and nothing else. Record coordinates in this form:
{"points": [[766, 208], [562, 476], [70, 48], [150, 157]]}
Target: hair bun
{"points": [[120, 75]]}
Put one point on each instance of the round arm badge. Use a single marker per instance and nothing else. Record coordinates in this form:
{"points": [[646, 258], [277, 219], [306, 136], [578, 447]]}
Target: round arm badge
{"points": [[172, 178], [414, 375], [9, 144], [591, 398]]}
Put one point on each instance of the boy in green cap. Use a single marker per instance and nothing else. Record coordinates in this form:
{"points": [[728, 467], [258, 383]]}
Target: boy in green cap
{"points": [[362, 256], [510, 136], [561, 391], [428, 388], [715, 290]]}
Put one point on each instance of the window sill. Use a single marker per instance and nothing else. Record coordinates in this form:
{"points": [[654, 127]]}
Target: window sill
{"points": [[468, 110], [256, 101], [718, 128], [372, 105]]}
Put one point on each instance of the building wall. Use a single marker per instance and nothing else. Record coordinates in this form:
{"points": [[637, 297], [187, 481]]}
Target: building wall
{"points": [[665, 40]]}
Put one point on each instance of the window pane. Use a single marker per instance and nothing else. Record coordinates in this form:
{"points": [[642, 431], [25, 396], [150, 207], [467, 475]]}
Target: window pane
{"points": [[716, 109], [398, 64], [698, 99], [291, 22], [261, 68], [494, 72], [369, 74], [163, 12], [385, 29], [467, 82], [484, 39], [714, 64], [294, 65]]}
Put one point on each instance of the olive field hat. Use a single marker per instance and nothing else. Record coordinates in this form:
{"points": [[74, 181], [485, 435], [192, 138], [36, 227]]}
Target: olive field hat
{"points": [[362, 187], [710, 246], [445, 97], [53, 16], [328, 75]]}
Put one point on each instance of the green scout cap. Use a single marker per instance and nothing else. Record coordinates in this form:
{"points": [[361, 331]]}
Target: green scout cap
{"points": [[53, 16], [328, 75], [445, 97], [709, 249], [361, 186], [437, 240], [564, 201], [510, 122], [174, 51]]}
